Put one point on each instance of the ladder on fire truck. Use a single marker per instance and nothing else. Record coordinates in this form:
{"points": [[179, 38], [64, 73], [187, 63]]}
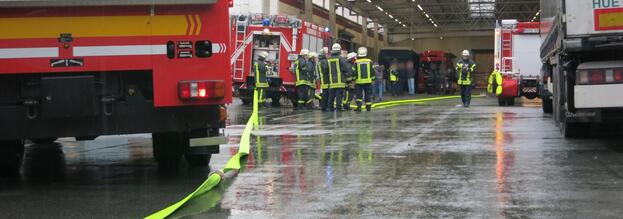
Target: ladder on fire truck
{"points": [[241, 31], [507, 50]]}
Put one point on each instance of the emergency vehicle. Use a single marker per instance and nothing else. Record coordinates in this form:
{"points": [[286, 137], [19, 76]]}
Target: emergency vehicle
{"points": [[437, 75], [82, 68], [517, 46], [283, 37]]}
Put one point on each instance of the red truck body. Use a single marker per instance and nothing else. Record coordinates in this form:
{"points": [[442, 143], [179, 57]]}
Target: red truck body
{"points": [[87, 68]]}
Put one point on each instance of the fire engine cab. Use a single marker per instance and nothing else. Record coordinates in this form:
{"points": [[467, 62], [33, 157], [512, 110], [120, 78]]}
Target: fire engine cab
{"points": [[283, 37], [517, 46]]}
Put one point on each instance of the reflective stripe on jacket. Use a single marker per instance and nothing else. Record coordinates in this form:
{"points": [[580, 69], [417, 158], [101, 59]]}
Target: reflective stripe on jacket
{"points": [[336, 75], [468, 67], [300, 66], [260, 76], [364, 71]]}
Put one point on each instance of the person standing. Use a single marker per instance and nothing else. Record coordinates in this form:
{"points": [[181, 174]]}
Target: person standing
{"points": [[379, 83], [322, 70], [393, 80], [338, 69], [312, 79], [302, 78], [465, 68], [411, 77], [261, 83], [349, 92], [363, 78]]}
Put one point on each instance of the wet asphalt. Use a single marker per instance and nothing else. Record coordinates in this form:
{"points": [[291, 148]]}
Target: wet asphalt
{"points": [[413, 161]]}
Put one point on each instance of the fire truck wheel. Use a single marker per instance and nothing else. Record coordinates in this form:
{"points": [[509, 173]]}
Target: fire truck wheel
{"points": [[501, 101], [575, 130], [168, 148], [43, 140], [11, 156], [198, 159]]}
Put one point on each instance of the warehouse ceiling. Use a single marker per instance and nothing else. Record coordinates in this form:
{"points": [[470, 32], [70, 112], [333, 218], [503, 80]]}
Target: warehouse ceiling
{"points": [[435, 16]]}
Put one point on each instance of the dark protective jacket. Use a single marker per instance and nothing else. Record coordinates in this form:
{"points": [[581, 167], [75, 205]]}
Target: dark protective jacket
{"points": [[363, 71], [465, 70], [261, 69], [301, 68], [338, 71], [322, 70]]}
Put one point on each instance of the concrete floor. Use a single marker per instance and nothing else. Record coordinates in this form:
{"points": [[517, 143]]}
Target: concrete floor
{"points": [[428, 160]]}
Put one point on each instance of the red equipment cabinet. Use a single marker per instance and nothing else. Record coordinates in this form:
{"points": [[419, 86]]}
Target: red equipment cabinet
{"points": [[282, 37], [517, 49], [89, 68]]}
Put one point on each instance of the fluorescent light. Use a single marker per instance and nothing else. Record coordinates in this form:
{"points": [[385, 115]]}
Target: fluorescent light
{"points": [[396, 20], [369, 1], [390, 16], [420, 7], [380, 9]]}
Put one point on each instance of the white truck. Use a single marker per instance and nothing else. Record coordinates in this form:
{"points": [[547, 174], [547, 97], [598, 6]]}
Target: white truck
{"points": [[582, 75]]}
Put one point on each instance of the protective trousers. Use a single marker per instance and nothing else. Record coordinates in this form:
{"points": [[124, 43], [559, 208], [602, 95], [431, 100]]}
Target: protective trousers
{"points": [[364, 92], [466, 94], [261, 91], [348, 97], [335, 99], [303, 95], [324, 102]]}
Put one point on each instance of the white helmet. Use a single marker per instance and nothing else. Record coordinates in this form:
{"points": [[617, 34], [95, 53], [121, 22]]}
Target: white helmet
{"points": [[304, 52], [336, 47], [313, 55], [263, 55], [324, 50], [465, 53], [351, 55], [362, 52]]}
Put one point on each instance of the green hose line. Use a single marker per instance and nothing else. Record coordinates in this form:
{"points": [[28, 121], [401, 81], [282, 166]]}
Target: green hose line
{"points": [[215, 178]]}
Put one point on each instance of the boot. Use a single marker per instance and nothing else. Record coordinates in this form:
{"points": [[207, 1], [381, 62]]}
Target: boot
{"points": [[368, 107]]}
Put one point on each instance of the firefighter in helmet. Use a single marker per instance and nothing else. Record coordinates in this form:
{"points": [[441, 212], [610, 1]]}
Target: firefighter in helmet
{"points": [[338, 70], [349, 92], [465, 69], [322, 70], [363, 78], [261, 68], [312, 79], [301, 68]]}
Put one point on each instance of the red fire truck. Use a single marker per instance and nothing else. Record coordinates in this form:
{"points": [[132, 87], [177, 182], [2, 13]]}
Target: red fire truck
{"points": [[517, 46], [437, 75], [72, 68], [282, 37]]}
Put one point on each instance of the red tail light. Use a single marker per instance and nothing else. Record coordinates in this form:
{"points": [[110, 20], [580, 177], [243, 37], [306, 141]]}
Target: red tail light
{"points": [[231, 3], [596, 76], [618, 75], [201, 90]]}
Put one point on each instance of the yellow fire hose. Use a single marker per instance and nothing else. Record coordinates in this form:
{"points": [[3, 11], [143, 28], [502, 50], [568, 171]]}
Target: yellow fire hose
{"points": [[233, 164]]}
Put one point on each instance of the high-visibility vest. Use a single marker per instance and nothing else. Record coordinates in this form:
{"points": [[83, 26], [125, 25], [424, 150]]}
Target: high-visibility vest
{"points": [[301, 77], [364, 73], [335, 74], [260, 78], [468, 78], [324, 82], [392, 75], [495, 83]]}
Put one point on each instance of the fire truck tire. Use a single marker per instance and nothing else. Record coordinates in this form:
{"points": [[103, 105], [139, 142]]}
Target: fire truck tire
{"points": [[11, 156], [43, 140], [575, 130], [501, 101], [198, 160], [168, 148], [547, 105]]}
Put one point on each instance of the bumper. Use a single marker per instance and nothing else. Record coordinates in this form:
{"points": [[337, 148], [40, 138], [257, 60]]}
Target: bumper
{"points": [[598, 96], [125, 119]]}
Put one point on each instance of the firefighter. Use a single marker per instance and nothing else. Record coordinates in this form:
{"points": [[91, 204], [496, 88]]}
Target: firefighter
{"points": [[393, 79], [322, 70], [261, 69], [349, 92], [301, 69], [338, 69], [363, 78], [312, 80], [465, 69], [495, 82]]}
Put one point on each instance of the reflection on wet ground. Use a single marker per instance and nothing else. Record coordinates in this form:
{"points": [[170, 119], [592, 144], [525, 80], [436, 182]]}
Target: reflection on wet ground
{"points": [[427, 160]]}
